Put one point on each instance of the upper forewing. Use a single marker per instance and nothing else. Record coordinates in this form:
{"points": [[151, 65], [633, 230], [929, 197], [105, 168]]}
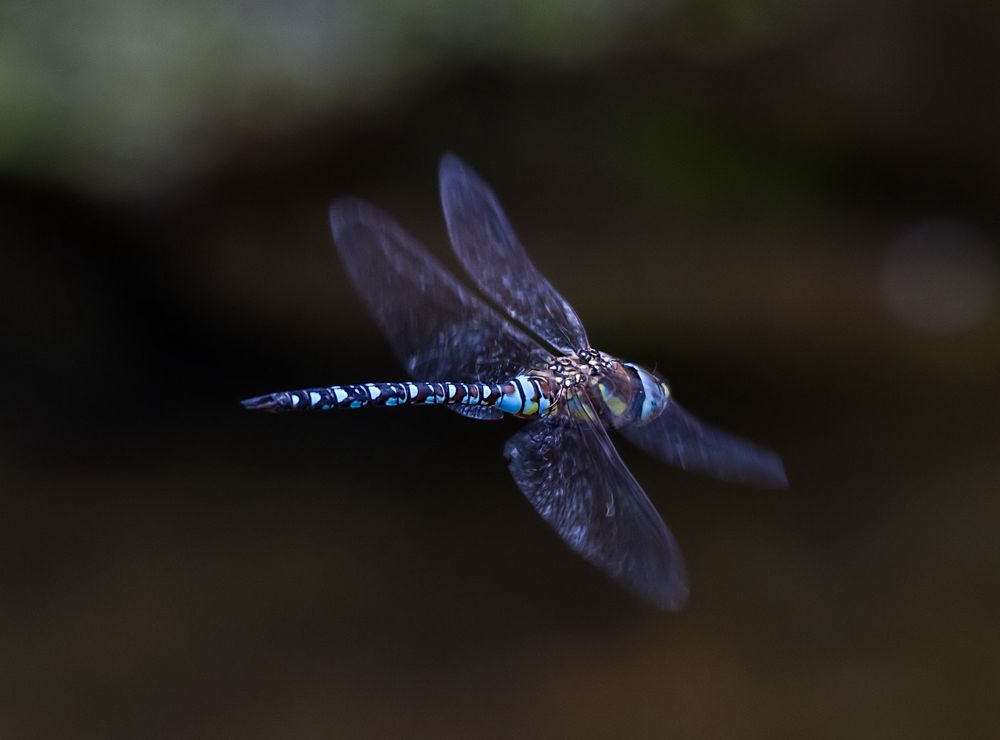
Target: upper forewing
{"points": [[572, 474], [438, 329], [678, 438], [489, 250]]}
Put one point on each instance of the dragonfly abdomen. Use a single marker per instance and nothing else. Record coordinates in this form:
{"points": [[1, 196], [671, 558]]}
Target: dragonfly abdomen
{"points": [[522, 396], [525, 395]]}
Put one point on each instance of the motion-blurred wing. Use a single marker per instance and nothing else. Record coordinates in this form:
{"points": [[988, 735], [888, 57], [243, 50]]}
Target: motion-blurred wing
{"points": [[570, 472], [489, 250], [678, 438], [438, 329]]}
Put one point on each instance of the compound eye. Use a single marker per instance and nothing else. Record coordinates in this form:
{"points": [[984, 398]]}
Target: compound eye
{"points": [[655, 393]]}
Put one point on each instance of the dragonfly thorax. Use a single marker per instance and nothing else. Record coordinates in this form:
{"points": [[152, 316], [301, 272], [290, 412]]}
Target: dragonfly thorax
{"points": [[622, 392], [583, 366]]}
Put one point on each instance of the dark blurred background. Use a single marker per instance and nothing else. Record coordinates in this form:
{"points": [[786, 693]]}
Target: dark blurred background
{"points": [[789, 208]]}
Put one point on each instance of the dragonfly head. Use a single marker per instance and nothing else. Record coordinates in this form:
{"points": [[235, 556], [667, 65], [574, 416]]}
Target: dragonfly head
{"points": [[655, 393]]}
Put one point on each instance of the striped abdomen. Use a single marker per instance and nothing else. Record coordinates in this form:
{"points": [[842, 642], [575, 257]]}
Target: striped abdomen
{"points": [[524, 395]]}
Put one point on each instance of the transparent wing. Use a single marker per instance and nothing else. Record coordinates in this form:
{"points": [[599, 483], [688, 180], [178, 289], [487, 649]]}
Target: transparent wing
{"points": [[489, 250], [438, 329], [572, 474], [678, 438]]}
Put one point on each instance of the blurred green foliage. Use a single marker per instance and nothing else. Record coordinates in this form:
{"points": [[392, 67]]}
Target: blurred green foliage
{"points": [[112, 96]]}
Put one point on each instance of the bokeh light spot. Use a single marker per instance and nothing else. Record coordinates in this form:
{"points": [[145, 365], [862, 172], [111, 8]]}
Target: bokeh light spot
{"points": [[940, 276]]}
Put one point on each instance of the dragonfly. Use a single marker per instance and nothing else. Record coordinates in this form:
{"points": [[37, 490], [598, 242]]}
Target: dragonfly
{"points": [[512, 345]]}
